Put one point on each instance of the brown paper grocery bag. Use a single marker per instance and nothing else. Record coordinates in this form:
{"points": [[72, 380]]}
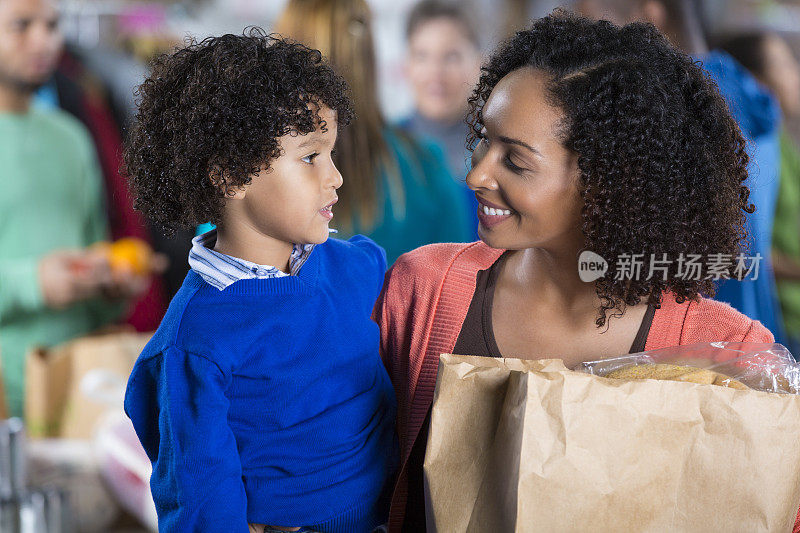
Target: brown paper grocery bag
{"points": [[530, 446], [68, 387]]}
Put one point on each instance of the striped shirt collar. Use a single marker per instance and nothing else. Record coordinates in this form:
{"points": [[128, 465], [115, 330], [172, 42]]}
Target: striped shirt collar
{"points": [[221, 270]]}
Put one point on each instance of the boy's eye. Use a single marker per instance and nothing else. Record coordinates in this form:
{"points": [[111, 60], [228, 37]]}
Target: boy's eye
{"points": [[310, 158]]}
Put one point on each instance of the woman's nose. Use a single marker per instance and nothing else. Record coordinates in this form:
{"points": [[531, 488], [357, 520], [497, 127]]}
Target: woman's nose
{"points": [[480, 177]]}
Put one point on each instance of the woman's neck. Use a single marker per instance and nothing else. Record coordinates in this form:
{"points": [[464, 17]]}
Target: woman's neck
{"points": [[552, 276]]}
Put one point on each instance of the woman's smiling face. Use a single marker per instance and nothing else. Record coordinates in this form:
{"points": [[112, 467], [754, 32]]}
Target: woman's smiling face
{"points": [[524, 178]]}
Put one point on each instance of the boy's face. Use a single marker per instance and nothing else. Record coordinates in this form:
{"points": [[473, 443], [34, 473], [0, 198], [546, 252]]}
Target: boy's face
{"points": [[291, 202]]}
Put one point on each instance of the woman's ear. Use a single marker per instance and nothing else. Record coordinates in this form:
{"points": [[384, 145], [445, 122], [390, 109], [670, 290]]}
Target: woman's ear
{"points": [[574, 169]]}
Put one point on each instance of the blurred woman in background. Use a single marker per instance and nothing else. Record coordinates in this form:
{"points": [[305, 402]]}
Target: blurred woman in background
{"points": [[769, 58], [396, 190], [443, 64]]}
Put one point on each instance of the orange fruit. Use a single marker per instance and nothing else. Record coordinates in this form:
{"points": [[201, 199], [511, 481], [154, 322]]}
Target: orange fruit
{"points": [[131, 254]]}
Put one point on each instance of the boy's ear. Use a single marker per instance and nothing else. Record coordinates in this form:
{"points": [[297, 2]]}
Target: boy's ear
{"points": [[235, 193], [218, 180]]}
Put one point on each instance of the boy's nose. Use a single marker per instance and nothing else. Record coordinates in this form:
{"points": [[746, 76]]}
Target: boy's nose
{"points": [[336, 178]]}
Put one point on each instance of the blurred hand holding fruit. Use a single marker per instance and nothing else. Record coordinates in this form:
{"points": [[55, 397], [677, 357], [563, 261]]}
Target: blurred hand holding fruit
{"points": [[118, 270]]}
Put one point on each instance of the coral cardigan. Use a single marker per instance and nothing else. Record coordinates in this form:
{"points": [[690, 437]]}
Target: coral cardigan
{"points": [[424, 303]]}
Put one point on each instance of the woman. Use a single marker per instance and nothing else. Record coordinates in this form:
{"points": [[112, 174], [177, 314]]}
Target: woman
{"points": [[591, 137], [396, 191]]}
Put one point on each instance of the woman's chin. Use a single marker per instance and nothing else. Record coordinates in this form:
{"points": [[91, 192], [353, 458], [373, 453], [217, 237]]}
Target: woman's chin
{"points": [[489, 239]]}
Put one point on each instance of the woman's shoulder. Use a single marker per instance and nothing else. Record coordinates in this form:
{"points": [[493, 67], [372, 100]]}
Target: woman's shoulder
{"points": [[722, 320], [704, 320], [420, 277], [435, 260]]}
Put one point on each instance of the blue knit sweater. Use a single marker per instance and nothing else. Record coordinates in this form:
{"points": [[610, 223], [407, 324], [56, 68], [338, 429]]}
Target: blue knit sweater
{"points": [[267, 402]]}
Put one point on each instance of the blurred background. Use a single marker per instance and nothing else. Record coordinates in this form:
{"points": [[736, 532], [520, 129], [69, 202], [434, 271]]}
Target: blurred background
{"points": [[133, 29], [65, 357]]}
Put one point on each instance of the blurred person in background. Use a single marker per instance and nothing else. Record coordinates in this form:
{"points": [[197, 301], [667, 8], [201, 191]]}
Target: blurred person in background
{"points": [[398, 191], [52, 288], [770, 59], [79, 91], [758, 114], [443, 65]]}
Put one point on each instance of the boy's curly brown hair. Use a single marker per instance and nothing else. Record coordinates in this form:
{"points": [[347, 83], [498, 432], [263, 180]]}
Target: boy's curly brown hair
{"points": [[210, 116]]}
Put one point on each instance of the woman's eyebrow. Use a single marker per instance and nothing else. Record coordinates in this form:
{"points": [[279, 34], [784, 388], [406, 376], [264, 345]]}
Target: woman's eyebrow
{"points": [[509, 140]]}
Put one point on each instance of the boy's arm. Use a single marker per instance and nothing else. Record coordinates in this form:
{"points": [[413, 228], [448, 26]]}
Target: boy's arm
{"points": [[376, 259], [180, 413]]}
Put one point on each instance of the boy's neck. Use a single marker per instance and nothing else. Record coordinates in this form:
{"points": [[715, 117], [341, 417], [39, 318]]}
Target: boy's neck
{"points": [[254, 247]]}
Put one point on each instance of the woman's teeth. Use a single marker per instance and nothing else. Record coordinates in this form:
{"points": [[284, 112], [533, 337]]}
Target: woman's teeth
{"points": [[493, 211]]}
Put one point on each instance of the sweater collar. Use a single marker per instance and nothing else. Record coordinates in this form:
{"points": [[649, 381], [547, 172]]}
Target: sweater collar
{"points": [[221, 270], [304, 282]]}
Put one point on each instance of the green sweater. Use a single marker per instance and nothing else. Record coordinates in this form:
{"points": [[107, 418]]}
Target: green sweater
{"points": [[786, 231], [51, 199]]}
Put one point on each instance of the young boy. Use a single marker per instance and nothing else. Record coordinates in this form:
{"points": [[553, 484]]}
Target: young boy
{"points": [[261, 399]]}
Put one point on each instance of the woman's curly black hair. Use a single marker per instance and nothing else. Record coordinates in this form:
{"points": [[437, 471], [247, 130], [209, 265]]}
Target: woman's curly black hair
{"points": [[210, 116], [662, 163]]}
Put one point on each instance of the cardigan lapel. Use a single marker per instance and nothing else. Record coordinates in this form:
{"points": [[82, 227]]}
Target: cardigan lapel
{"points": [[456, 292]]}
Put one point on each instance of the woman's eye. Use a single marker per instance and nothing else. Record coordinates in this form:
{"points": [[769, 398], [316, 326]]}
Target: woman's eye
{"points": [[310, 158], [511, 166]]}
